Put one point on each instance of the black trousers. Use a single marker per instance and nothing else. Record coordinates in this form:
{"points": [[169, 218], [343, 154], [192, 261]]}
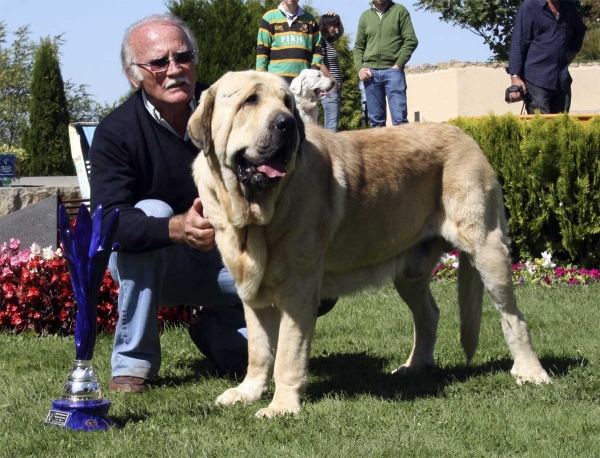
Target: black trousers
{"points": [[548, 101]]}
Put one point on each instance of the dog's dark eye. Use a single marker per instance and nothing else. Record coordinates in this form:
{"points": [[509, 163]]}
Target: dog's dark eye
{"points": [[252, 100]]}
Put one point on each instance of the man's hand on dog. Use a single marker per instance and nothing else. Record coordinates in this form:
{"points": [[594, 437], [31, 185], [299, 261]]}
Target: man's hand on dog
{"points": [[193, 228]]}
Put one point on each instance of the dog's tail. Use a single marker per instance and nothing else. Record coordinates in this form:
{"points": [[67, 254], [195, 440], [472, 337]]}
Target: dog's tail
{"points": [[470, 303]]}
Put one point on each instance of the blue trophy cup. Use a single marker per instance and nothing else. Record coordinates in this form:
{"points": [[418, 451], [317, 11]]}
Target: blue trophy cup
{"points": [[87, 252]]}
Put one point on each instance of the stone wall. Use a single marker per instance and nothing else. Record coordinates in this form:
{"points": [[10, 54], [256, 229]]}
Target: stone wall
{"points": [[447, 90], [16, 198]]}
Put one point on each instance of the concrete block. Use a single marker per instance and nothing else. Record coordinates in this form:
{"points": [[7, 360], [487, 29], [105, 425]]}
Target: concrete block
{"points": [[36, 223]]}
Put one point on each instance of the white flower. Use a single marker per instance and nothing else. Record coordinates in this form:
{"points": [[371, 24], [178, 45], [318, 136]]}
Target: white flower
{"points": [[530, 267], [448, 258], [58, 252], [547, 260], [35, 249], [48, 253]]}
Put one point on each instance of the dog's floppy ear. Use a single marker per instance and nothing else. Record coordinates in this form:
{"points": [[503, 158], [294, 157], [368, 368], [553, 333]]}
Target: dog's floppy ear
{"points": [[296, 85], [300, 126], [199, 125]]}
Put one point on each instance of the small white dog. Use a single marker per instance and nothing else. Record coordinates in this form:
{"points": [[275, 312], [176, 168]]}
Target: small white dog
{"points": [[307, 87]]}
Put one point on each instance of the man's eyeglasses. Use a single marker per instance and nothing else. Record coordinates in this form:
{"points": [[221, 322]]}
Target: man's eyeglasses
{"points": [[160, 65]]}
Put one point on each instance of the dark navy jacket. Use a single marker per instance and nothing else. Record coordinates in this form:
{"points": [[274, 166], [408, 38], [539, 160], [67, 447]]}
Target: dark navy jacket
{"points": [[540, 43], [134, 158]]}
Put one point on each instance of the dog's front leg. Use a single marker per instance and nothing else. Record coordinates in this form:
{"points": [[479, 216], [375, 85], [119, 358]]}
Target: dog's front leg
{"points": [[298, 320], [263, 327]]}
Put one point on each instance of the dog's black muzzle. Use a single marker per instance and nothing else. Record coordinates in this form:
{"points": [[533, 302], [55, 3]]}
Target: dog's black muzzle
{"points": [[279, 146]]}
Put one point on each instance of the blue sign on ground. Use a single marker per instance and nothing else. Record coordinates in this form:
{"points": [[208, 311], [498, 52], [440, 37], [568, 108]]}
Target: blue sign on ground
{"points": [[7, 166]]}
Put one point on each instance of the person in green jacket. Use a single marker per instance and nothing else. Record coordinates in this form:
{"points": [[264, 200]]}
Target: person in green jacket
{"points": [[288, 41], [385, 41]]}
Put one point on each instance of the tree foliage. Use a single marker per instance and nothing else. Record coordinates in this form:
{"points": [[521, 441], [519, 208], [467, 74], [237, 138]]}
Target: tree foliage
{"points": [[492, 20], [590, 50], [16, 65], [47, 139], [16, 69], [226, 33], [82, 106]]}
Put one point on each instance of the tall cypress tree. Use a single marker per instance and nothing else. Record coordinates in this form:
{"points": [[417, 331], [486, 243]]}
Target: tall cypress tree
{"points": [[47, 139]]}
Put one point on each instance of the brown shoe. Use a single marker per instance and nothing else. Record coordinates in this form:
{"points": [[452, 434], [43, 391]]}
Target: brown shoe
{"points": [[127, 384]]}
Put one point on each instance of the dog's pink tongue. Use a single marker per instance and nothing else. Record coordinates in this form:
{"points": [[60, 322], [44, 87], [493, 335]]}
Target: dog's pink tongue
{"points": [[273, 170]]}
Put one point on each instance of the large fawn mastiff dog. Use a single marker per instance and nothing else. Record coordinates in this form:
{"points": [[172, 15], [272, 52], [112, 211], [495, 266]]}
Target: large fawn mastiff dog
{"points": [[301, 216]]}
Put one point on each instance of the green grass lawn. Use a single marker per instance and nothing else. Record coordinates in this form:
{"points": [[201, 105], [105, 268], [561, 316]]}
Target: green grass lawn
{"points": [[353, 406]]}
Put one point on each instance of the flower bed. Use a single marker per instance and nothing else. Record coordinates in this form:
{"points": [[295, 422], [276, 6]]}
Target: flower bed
{"points": [[37, 295], [541, 271]]}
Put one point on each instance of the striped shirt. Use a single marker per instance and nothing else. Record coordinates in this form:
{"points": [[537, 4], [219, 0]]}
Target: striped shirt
{"points": [[331, 61], [286, 48]]}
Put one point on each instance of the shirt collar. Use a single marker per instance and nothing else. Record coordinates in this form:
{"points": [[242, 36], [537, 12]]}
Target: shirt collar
{"points": [[158, 118], [291, 17], [385, 8]]}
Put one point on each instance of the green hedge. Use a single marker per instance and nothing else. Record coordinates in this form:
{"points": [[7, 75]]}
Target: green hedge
{"points": [[549, 169]]}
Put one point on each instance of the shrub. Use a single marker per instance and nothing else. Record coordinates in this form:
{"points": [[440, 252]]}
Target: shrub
{"points": [[549, 169]]}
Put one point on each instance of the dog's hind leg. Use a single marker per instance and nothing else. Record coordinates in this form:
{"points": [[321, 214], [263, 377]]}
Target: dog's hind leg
{"points": [[412, 284], [263, 328], [492, 260], [425, 312], [476, 225]]}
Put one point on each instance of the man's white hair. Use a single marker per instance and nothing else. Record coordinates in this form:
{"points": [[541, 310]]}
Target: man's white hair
{"points": [[127, 54]]}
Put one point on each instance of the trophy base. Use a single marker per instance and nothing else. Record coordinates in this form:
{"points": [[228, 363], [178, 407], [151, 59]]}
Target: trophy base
{"points": [[84, 415]]}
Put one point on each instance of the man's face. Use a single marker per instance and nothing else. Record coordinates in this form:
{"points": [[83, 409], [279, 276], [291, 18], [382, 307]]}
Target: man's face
{"points": [[380, 4], [176, 84], [291, 5]]}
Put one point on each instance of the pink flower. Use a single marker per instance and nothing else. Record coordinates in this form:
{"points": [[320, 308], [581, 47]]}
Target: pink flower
{"points": [[560, 272], [14, 244], [6, 272]]}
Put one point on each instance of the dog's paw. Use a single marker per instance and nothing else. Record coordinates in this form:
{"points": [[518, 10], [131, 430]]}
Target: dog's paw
{"points": [[409, 369], [235, 395], [277, 411], [538, 376]]}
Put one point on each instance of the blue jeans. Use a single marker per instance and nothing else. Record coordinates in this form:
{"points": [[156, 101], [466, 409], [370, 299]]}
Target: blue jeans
{"points": [[390, 82], [331, 109], [176, 275]]}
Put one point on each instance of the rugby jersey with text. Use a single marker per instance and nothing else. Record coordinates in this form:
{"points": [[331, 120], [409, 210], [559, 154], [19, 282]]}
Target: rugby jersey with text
{"points": [[287, 49]]}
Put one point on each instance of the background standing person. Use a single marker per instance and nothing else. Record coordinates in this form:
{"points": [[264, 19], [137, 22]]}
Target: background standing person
{"points": [[331, 28], [385, 41], [288, 41], [546, 37]]}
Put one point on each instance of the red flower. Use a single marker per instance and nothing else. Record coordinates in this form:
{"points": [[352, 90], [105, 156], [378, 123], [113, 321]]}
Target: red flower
{"points": [[33, 292]]}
